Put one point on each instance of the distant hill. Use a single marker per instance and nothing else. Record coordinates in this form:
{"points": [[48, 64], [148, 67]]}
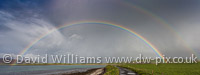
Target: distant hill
{"points": [[13, 61]]}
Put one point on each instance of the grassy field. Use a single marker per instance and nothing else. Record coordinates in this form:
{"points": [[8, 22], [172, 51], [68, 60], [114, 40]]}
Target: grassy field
{"points": [[111, 70], [165, 69]]}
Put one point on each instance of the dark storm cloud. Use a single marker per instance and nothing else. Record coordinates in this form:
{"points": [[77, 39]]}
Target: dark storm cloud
{"points": [[28, 19]]}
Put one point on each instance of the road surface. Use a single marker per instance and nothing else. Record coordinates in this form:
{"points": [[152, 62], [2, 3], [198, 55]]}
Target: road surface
{"points": [[124, 71]]}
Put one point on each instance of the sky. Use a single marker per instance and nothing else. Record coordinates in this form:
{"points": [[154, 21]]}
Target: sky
{"points": [[23, 21]]}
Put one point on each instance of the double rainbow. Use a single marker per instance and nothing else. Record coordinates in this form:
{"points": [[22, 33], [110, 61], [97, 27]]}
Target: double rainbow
{"points": [[162, 22], [94, 22]]}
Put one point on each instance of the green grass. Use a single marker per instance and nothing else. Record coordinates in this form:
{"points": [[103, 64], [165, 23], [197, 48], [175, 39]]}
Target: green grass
{"points": [[165, 69], [111, 70]]}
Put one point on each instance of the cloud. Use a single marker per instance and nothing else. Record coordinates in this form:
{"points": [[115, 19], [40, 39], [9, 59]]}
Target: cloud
{"points": [[24, 31], [75, 36], [20, 27], [88, 40]]}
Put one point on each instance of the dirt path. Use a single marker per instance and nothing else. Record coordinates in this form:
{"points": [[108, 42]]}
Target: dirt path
{"points": [[98, 72]]}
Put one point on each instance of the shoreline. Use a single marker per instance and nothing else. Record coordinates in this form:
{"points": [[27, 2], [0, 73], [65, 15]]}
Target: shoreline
{"points": [[93, 71], [86, 71]]}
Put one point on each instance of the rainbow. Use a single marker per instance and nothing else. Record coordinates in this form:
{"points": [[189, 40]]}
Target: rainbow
{"points": [[94, 22], [140, 9], [161, 21]]}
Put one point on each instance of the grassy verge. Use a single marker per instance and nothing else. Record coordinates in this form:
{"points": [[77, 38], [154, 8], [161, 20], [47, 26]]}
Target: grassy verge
{"points": [[111, 70], [164, 69]]}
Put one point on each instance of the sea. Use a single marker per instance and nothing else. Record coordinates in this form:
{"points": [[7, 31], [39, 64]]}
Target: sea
{"points": [[45, 69]]}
